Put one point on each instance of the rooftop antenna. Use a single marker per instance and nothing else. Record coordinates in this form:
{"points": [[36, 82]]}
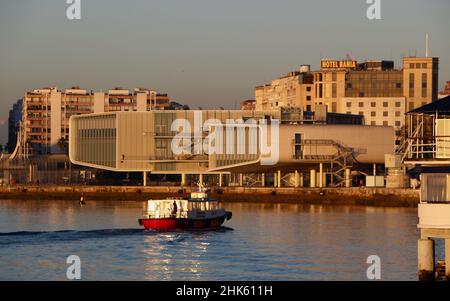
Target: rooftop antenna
{"points": [[426, 44]]}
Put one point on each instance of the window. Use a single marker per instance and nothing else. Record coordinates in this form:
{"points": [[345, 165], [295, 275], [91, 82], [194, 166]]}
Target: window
{"points": [[385, 104], [361, 94], [349, 86], [308, 89], [424, 85], [418, 65], [385, 114], [398, 85], [361, 113], [373, 114], [334, 76], [397, 114], [373, 104], [397, 124], [411, 66], [308, 97], [411, 85], [424, 65], [373, 123], [349, 104], [349, 113], [397, 104], [361, 104], [411, 106], [385, 123], [308, 108], [298, 146]]}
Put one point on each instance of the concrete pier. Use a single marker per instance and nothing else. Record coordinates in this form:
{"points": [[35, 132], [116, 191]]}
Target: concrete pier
{"points": [[312, 178], [220, 180], [425, 252], [348, 179], [144, 179], [321, 175]]}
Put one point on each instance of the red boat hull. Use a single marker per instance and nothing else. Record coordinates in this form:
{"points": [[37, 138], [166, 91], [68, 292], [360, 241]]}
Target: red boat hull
{"points": [[183, 223]]}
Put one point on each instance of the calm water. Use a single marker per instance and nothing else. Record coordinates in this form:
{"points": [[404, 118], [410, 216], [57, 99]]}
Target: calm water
{"points": [[265, 242]]}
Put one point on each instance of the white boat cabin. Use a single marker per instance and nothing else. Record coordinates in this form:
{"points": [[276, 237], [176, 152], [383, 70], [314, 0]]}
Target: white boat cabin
{"points": [[180, 208]]}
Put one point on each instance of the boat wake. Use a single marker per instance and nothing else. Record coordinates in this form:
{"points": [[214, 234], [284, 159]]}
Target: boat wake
{"points": [[39, 237]]}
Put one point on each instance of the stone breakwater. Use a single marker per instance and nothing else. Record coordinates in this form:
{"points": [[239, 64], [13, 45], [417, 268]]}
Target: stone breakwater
{"points": [[382, 197]]}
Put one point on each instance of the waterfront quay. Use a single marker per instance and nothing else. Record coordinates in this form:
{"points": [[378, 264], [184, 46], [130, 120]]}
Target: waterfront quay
{"points": [[380, 197]]}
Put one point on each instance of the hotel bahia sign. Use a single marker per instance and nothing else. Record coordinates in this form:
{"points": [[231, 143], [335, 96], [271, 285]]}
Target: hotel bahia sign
{"points": [[335, 64]]}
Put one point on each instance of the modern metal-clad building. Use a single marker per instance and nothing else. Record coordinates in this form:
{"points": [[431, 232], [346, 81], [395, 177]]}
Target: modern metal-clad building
{"points": [[147, 142]]}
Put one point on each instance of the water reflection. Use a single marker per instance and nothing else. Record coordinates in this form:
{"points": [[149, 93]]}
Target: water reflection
{"points": [[269, 242]]}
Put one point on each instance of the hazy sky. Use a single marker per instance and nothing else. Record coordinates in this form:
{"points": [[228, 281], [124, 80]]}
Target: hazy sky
{"points": [[207, 53]]}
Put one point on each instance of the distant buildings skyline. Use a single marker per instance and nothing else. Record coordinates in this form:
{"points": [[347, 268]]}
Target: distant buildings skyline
{"points": [[205, 54]]}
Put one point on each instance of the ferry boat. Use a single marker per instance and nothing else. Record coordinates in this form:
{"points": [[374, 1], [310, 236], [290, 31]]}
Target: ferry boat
{"points": [[199, 212]]}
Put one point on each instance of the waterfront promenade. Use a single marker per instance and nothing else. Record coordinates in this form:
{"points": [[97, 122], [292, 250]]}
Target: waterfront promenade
{"points": [[381, 197]]}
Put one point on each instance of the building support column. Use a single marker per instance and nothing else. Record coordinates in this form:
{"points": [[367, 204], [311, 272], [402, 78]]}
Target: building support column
{"points": [[279, 179], [312, 178], [200, 178], [275, 181], [144, 179], [321, 175], [263, 180], [374, 169], [241, 180], [183, 179], [447, 259], [301, 183], [220, 180], [296, 179], [348, 180], [425, 254]]}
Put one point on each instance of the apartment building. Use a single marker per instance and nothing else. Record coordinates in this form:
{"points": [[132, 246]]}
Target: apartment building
{"points": [[374, 89], [421, 80], [445, 92], [46, 112], [14, 118], [295, 89], [248, 105]]}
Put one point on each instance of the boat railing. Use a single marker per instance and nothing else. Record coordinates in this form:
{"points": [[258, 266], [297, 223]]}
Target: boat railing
{"points": [[153, 214]]}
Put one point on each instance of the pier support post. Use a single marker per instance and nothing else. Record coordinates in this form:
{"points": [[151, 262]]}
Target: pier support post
{"points": [[183, 179], [312, 179], [263, 180], [321, 175], [348, 181], [447, 259], [220, 180], [301, 183], [241, 180], [144, 179], [425, 253], [296, 179], [275, 179], [200, 178], [279, 179], [374, 169]]}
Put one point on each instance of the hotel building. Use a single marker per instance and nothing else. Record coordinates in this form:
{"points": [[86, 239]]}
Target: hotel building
{"points": [[374, 89], [46, 112]]}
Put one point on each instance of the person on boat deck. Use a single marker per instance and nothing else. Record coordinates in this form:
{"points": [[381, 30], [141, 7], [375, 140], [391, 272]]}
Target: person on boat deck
{"points": [[175, 209]]}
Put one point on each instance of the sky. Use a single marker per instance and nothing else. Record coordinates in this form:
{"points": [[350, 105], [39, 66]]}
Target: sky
{"points": [[207, 53]]}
